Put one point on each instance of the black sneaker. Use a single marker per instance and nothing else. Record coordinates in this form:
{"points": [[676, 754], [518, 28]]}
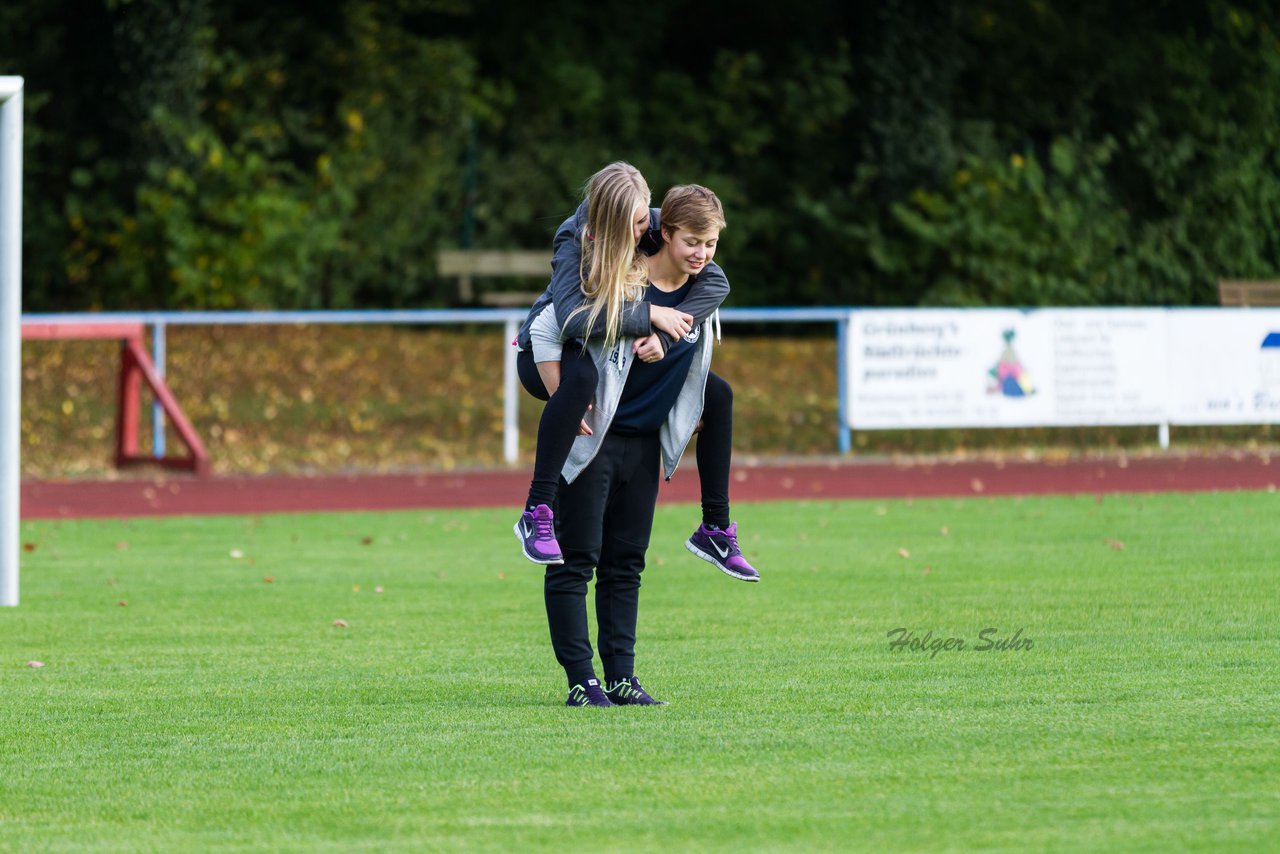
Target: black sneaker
{"points": [[627, 692], [587, 695]]}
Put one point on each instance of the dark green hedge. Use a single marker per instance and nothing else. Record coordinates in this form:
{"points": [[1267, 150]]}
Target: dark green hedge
{"points": [[191, 153]]}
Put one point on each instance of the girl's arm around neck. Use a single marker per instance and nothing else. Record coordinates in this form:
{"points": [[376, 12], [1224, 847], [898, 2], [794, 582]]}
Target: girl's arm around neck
{"points": [[566, 287]]}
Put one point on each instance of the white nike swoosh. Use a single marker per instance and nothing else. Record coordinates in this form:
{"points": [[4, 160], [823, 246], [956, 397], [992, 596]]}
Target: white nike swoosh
{"points": [[716, 546]]}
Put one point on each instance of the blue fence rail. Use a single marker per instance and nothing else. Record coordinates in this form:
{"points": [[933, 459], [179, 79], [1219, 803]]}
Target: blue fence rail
{"points": [[509, 319]]}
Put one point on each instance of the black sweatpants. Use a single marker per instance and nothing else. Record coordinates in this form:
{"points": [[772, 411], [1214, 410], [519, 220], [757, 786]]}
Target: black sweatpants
{"points": [[558, 426], [715, 450], [604, 523]]}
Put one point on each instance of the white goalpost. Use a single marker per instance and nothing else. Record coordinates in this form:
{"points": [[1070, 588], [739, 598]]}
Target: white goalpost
{"points": [[10, 330]]}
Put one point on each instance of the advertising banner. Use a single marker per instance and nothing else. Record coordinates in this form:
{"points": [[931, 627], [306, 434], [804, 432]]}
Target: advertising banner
{"points": [[919, 368], [1224, 366]]}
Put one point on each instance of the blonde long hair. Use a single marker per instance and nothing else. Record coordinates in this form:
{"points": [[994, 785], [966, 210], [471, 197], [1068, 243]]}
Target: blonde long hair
{"points": [[613, 269]]}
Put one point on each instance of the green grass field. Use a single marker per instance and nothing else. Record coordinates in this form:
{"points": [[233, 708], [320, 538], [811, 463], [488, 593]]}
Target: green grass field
{"points": [[217, 710]]}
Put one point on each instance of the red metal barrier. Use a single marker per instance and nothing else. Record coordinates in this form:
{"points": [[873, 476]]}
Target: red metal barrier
{"points": [[135, 368]]}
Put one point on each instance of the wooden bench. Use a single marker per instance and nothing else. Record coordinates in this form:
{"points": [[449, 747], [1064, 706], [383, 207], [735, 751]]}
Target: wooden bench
{"points": [[466, 264], [1246, 292]]}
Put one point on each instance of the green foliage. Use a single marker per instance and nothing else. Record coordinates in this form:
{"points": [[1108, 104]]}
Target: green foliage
{"points": [[286, 162], [1205, 155], [1105, 157], [199, 154], [1013, 232]]}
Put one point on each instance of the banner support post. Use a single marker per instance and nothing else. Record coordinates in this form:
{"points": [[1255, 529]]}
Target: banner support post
{"points": [[845, 435]]}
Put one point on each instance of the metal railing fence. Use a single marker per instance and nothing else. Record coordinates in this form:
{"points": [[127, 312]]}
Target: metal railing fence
{"points": [[509, 319]]}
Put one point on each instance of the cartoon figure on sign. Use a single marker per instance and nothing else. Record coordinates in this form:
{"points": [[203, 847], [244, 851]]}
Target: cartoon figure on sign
{"points": [[1009, 377], [1269, 361]]}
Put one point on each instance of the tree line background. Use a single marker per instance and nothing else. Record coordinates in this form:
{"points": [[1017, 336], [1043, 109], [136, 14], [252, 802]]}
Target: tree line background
{"points": [[201, 154]]}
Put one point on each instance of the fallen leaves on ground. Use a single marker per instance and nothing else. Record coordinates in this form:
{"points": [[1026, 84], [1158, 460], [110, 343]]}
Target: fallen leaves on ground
{"points": [[289, 399]]}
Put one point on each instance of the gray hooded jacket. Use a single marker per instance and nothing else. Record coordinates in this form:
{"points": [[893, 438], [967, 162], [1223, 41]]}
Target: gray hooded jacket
{"points": [[613, 365]]}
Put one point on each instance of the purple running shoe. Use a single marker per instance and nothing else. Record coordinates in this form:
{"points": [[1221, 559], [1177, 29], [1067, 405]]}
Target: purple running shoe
{"points": [[627, 692], [537, 536], [720, 548], [588, 694]]}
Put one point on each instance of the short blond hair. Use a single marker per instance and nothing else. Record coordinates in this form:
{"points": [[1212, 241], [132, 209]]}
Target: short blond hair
{"points": [[693, 208]]}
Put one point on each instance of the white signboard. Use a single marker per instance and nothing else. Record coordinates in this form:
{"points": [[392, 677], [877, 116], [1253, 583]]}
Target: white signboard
{"points": [[1224, 366], [917, 368]]}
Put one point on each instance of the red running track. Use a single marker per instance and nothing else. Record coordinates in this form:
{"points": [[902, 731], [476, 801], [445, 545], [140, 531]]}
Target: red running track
{"points": [[169, 494]]}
